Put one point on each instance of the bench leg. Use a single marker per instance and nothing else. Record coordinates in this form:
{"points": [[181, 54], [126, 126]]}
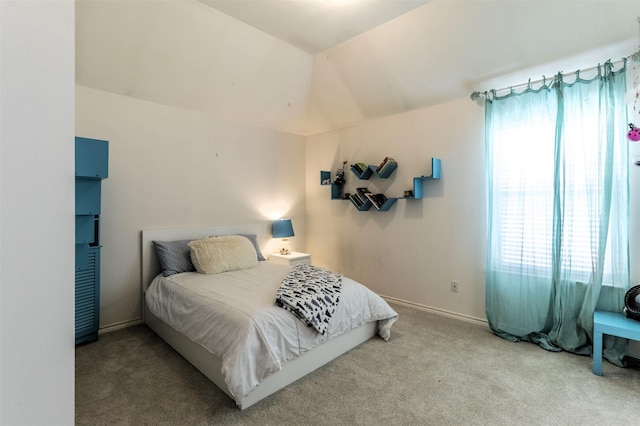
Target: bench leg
{"points": [[597, 353]]}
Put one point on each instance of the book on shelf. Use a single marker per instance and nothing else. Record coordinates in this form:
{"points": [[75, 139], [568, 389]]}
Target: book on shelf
{"points": [[362, 190], [377, 200], [359, 200], [359, 197], [382, 164], [359, 168], [356, 168], [388, 164]]}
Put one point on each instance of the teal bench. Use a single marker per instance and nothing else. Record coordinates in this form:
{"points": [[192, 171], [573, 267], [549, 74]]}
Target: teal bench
{"points": [[614, 324]]}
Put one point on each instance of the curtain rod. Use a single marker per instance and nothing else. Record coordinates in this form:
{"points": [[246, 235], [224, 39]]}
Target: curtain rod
{"points": [[635, 57], [478, 95]]}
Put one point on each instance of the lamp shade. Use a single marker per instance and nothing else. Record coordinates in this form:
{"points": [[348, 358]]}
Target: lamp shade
{"points": [[282, 229]]}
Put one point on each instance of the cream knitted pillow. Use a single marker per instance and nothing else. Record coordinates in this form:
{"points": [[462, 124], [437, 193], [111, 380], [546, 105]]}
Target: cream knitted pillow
{"points": [[214, 255]]}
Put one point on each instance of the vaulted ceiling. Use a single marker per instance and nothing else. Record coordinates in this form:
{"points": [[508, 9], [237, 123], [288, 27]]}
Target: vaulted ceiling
{"points": [[310, 66], [314, 25]]}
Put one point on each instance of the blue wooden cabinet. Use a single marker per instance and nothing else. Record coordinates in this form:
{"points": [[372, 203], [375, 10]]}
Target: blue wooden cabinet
{"points": [[88, 297], [92, 158], [91, 166]]}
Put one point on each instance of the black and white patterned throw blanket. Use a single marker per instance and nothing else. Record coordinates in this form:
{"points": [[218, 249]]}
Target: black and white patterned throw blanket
{"points": [[311, 294]]}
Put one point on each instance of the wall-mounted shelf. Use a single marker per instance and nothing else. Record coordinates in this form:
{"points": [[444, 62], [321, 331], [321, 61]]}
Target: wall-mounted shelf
{"points": [[417, 181], [364, 199], [382, 171], [325, 179], [381, 202]]}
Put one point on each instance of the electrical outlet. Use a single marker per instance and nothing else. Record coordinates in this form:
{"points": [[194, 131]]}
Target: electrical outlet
{"points": [[454, 286]]}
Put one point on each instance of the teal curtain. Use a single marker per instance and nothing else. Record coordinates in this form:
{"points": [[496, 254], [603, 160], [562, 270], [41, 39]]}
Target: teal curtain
{"points": [[558, 202]]}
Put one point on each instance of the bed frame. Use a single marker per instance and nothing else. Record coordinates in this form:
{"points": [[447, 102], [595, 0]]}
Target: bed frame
{"points": [[205, 361]]}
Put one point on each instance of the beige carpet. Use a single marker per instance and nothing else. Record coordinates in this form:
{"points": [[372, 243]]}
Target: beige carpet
{"points": [[433, 371]]}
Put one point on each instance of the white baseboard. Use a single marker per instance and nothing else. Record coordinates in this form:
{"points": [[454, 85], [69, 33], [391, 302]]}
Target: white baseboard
{"points": [[633, 351], [119, 326], [634, 347], [467, 318]]}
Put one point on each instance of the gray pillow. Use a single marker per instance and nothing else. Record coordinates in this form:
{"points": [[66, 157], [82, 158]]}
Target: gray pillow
{"points": [[254, 241], [174, 256]]}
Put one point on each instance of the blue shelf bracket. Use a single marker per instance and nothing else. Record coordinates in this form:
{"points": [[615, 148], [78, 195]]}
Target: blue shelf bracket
{"points": [[325, 180], [387, 204], [417, 181], [325, 177], [365, 175]]}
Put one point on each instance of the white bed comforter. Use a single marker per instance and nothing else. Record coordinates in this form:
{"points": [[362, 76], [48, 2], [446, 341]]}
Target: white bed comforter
{"points": [[233, 315]]}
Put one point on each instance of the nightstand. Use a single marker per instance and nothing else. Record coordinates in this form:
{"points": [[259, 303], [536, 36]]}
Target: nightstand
{"points": [[291, 259]]}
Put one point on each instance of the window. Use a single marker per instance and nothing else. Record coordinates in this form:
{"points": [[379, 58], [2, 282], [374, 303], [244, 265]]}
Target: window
{"points": [[558, 209], [529, 172]]}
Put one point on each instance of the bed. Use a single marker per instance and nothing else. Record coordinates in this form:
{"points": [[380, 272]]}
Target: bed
{"points": [[258, 358]]}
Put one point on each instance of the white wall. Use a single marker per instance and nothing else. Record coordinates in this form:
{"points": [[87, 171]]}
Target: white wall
{"points": [[36, 215], [172, 167], [187, 54], [414, 250]]}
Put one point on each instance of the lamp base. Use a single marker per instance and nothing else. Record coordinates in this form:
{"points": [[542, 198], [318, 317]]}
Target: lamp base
{"points": [[285, 246]]}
